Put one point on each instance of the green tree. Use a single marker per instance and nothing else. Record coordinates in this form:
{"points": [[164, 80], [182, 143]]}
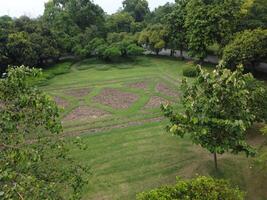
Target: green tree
{"points": [[200, 188], [218, 109], [248, 48], [154, 37], [120, 22], [138, 9], [6, 28], [20, 49], [176, 27], [158, 15], [254, 15], [29, 143], [209, 22]]}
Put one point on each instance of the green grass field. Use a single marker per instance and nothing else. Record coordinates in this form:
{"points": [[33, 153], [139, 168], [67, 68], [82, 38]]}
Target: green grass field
{"points": [[128, 148]]}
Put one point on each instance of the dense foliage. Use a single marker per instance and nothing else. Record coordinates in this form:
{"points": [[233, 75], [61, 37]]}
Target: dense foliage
{"points": [[248, 48], [200, 188], [218, 109], [72, 27], [34, 160]]}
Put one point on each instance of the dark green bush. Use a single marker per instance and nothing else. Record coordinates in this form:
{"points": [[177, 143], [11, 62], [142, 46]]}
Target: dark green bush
{"points": [[190, 72], [201, 188]]}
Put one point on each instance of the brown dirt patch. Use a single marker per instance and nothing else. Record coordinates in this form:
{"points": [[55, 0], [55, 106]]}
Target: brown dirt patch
{"points": [[155, 102], [61, 102], [164, 89], [115, 98], [85, 112], [78, 93], [139, 85]]}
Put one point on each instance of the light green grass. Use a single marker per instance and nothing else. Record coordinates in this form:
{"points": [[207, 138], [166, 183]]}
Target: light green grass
{"points": [[140, 156]]}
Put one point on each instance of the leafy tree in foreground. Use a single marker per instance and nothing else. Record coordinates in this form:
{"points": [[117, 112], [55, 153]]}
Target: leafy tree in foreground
{"points": [[247, 48], [34, 160], [201, 188], [218, 109]]}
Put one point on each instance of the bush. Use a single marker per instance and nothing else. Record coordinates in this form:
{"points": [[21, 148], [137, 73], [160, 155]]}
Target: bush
{"points": [[190, 72], [247, 48], [201, 188]]}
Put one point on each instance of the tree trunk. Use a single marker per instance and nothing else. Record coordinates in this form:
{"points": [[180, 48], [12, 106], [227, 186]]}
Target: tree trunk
{"points": [[181, 54], [215, 161]]}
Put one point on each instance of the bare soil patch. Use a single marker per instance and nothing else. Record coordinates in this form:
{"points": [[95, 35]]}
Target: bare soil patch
{"points": [[78, 93], [61, 102], [115, 98], [155, 102], [85, 112], [164, 89], [139, 85]]}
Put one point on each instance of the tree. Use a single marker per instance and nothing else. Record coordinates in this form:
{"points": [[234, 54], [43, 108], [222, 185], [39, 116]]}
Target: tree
{"points": [[209, 22], [176, 27], [69, 18], [6, 27], [200, 188], [138, 9], [34, 160], [248, 48], [154, 37], [158, 15], [254, 14], [20, 49], [218, 109], [120, 22]]}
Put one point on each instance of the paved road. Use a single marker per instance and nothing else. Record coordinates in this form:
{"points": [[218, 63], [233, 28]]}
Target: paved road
{"points": [[262, 67]]}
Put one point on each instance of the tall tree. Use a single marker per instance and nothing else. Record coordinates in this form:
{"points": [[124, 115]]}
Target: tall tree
{"points": [[218, 109], [176, 26], [210, 22], [138, 9]]}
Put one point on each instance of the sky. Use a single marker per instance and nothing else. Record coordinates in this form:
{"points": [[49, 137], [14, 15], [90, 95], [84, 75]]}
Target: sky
{"points": [[34, 8]]}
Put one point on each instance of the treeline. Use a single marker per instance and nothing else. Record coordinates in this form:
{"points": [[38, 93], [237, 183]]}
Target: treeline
{"points": [[236, 29]]}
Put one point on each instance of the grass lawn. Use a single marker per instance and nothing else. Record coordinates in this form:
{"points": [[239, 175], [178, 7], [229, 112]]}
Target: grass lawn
{"points": [[115, 108]]}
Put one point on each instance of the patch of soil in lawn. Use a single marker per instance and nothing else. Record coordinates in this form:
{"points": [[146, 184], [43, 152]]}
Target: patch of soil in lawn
{"points": [[78, 93], [115, 98], [61, 102], [139, 85], [155, 102], [85, 112], [164, 89]]}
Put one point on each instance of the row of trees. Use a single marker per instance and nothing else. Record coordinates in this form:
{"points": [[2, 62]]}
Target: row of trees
{"points": [[71, 27], [195, 26]]}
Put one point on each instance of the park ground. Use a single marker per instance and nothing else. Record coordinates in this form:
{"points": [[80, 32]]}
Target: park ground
{"points": [[115, 108]]}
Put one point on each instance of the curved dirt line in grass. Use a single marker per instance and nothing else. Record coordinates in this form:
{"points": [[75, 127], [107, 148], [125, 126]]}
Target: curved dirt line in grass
{"points": [[89, 131]]}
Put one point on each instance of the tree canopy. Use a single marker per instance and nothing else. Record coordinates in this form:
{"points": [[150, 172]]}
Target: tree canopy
{"points": [[218, 109]]}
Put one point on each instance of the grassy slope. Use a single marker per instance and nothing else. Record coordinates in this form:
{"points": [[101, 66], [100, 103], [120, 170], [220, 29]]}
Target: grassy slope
{"points": [[129, 160]]}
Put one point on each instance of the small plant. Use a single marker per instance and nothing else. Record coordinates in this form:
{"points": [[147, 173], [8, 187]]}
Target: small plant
{"points": [[190, 72]]}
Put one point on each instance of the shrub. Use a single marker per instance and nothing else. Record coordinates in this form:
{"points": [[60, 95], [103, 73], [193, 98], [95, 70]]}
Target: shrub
{"points": [[190, 72], [201, 188], [247, 48]]}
